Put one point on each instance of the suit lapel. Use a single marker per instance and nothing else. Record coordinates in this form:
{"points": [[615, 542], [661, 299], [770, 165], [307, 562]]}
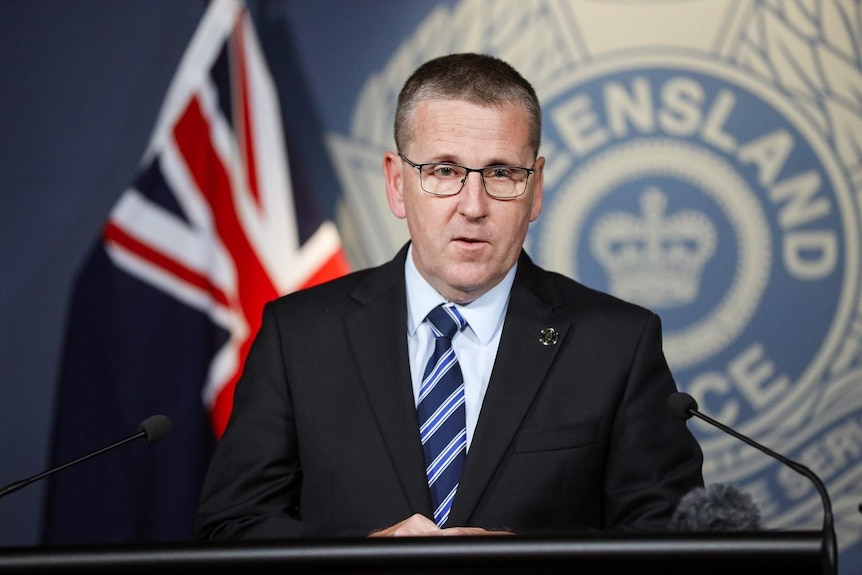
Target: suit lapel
{"points": [[377, 332], [519, 370]]}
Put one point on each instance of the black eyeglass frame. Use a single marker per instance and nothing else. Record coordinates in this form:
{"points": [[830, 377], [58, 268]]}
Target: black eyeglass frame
{"points": [[469, 170]]}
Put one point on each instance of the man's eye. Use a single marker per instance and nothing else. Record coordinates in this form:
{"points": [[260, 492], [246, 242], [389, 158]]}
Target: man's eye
{"points": [[444, 171], [499, 173]]}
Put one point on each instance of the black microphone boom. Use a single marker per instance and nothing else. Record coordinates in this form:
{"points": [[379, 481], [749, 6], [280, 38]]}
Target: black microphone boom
{"points": [[683, 406], [152, 429]]}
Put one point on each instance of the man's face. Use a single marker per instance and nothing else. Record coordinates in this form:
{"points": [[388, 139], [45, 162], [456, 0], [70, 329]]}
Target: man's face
{"points": [[463, 245]]}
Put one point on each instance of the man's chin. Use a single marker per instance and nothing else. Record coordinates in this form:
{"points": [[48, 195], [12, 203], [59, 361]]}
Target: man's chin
{"points": [[470, 282]]}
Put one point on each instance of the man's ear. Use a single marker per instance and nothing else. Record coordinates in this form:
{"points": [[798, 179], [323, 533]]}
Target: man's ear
{"points": [[538, 189], [393, 170]]}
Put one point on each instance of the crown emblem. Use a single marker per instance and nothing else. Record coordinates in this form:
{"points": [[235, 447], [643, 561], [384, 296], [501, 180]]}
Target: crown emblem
{"points": [[655, 259]]}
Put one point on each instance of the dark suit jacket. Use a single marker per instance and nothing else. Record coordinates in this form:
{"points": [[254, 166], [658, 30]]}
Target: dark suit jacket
{"points": [[324, 436]]}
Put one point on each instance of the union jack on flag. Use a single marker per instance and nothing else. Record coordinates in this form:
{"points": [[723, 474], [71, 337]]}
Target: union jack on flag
{"points": [[167, 306]]}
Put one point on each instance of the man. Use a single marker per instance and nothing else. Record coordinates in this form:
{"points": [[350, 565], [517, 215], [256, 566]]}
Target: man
{"points": [[548, 409]]}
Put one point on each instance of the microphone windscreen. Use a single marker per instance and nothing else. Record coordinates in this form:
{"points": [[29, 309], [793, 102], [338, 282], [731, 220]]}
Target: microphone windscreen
{"points": [[679, 404], [155, 427], [719, 507]]}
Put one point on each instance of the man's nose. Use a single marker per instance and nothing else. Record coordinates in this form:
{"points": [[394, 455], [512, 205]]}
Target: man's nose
{"points": [[474, 199]]}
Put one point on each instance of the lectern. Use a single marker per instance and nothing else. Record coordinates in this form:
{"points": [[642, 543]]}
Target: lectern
{"points": [[735, 553]]}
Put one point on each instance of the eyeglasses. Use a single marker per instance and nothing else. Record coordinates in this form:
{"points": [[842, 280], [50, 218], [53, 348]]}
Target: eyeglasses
{"points": [[447, 179]]}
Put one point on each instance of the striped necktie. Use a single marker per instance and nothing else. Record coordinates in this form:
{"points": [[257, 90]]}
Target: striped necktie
{"points": [[442, 418]]}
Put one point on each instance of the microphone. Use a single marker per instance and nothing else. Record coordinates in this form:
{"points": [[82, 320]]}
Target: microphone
{"points": [[718, 507], [683, 406], [152, 429]]}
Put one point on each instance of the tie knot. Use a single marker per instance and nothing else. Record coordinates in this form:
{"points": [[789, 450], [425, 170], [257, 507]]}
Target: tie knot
{"points": [[446, 321]]}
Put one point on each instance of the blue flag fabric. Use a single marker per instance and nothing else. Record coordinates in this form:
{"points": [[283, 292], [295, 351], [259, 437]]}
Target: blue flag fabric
{"points": [[124, 361]]}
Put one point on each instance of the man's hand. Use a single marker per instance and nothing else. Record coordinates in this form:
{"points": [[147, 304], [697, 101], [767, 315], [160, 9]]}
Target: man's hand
{"points": [[416, 525], [420, 526]]}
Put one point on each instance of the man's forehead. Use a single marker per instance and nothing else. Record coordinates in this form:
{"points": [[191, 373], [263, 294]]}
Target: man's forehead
{"points": [[441, 125]]}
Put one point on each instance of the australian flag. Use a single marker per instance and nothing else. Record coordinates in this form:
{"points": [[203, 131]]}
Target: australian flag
{"points": [[169, 300]]}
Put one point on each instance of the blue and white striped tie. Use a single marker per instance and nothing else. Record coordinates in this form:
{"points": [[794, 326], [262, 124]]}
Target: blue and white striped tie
{"points": [[442, 417]]}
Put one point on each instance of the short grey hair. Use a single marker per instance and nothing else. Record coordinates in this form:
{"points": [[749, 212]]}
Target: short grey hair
{"points": [[477, 78]]}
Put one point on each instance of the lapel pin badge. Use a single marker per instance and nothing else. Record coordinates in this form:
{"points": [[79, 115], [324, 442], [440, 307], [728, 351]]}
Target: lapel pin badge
{"points": [[548, 336]]}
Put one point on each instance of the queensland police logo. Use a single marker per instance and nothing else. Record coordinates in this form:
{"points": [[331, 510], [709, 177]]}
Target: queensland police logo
{"points": [[699, 194], [715, 182], [703, 195]]}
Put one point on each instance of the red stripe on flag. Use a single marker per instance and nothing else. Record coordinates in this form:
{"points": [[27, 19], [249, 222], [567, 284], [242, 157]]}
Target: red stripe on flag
{"points": [[254, 287], [115, 234], [335, 266], [243, 112]]}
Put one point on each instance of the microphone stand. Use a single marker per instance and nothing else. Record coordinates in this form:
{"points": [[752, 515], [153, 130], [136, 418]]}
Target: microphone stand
{"points": [[830, 543], [13, 487], [152, 429]]}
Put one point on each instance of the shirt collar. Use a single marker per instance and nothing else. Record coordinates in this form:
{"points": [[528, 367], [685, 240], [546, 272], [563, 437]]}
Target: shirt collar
{"points": [[484, 315]]}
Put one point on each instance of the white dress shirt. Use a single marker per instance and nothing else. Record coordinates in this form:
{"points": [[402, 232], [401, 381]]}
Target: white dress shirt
{"points": [[475, 346]]}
